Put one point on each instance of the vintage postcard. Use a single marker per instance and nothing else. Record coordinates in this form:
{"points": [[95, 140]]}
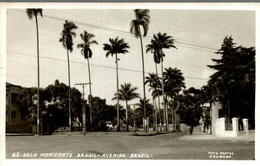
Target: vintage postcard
{"points": [[101, 83]]}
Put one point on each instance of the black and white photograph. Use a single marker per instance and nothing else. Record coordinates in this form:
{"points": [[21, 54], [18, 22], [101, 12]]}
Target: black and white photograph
{"points": [[86, 82]]}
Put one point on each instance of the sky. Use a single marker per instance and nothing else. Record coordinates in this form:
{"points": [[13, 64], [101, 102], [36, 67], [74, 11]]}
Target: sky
{"points": [[198, 35]]}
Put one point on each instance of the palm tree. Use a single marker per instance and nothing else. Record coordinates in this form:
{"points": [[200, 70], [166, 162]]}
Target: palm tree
{"points": [[31, 13], [142, 19], [116, 46], [162, 41], [174, 82], [126, 93], [67, 35], [154, 84], [155, 51], [87, 53]]}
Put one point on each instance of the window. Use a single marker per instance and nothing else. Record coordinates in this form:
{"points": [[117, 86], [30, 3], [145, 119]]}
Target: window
{"points": [[7, 99], [13, 115]]}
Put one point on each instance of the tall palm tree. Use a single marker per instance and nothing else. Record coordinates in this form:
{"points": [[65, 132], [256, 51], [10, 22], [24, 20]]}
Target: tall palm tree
{"points": [[87, 53], [163, 41], [142, 19], [153, 48], [174, 82], [126, 93], [116, 46], [67, 35], [31, 13]]}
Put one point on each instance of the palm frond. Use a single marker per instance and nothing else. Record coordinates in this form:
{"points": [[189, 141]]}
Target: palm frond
{"points": [[33, 12]]}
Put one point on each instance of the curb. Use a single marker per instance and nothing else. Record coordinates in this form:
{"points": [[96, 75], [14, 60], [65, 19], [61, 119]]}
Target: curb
{"points": [[20, 134], [237, 141], [152, 134], [218, 140], [144, 134]]}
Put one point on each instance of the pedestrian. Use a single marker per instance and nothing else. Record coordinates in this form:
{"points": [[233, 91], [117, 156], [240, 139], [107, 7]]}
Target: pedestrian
{"points": [[240, 123], [191, 129]]}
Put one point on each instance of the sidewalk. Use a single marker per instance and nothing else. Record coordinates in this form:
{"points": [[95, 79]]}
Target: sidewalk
{"points": [[201, 136], [19, 134]]}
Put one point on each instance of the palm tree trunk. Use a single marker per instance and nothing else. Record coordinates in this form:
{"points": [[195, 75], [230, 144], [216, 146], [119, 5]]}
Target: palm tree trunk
{"points": [[69, 90], [155, 119], [153, 114], [163, 94], [84, 114], [145, 128], [228, 120], [90, 97], [159, 101], [38, 71], [210, 117], [166, 112], [175, 121], [134, 119], [117, 84], [126, 116], [173, 124]]}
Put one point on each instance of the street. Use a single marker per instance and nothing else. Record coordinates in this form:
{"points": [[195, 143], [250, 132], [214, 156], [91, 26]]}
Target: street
{"points": [[122, 146]]}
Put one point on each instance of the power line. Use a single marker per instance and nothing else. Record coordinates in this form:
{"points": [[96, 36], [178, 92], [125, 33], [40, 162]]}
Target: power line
{"points": [[214, 21], [133, 53], [138, 71], [190, 27], [129, 34], [193, 45], [123, 26], [209, 23]]}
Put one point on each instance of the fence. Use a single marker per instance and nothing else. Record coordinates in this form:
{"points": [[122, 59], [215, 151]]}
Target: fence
{"points": [[220, 128]]}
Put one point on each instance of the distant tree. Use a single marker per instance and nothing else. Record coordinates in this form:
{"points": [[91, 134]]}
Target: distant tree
{"points": [[126, 93], [57, 99], [208, 95], [140, 109], [190, 108], [29, 102]]}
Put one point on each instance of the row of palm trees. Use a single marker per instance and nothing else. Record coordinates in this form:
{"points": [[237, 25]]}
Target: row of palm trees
{"points": [[139, 27], [174, 82]]}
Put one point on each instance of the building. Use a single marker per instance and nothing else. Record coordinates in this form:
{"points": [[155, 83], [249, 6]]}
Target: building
{"points": [[16, 120]]}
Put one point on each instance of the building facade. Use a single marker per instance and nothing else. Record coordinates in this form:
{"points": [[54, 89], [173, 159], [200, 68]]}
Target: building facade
{"points": [[16, 120]]}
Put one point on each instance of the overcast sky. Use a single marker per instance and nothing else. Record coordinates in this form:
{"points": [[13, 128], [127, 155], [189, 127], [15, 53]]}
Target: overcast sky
{"points": [[197, 33]]}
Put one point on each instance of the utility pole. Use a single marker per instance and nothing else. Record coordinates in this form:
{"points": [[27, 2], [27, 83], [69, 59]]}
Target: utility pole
{"points": [[84, 111]]}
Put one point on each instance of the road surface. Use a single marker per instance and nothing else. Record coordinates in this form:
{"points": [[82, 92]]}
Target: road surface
{"points": [[123, 146]]}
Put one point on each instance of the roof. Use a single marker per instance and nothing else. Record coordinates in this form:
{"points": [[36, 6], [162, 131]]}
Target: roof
{"points": [[9, 84]]}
